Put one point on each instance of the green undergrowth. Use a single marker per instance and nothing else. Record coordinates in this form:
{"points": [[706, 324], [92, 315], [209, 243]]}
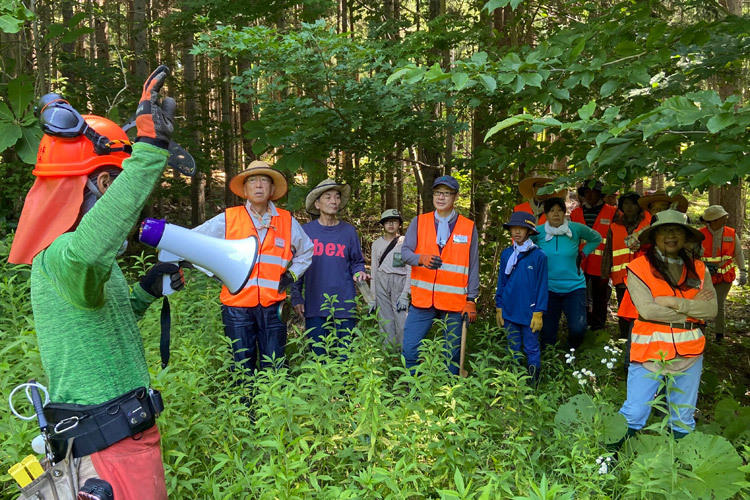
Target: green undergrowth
{"points": [[358, 424]]}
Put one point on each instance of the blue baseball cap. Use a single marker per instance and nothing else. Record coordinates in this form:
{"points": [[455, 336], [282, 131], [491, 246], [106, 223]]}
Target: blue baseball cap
{"points": [[446, 180], [522, 219]]}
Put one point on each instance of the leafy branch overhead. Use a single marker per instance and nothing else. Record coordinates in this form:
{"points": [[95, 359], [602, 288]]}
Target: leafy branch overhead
{"points": [[652, 111]]}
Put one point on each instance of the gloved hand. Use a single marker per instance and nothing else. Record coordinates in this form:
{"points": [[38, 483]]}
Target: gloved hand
{"points": [[154, 119], [470, 309], [536, 321], [499, 317], [712, 268], [151, 282], [743, 277], [430, 261], [286, 280], [403, 303]]}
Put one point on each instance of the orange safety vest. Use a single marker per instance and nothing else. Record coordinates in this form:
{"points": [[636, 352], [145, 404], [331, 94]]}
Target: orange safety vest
{"points": [[526, 207], [621, 254], [725, 260], [651, 339], [593, 263], [445, 288], [274, 256]]}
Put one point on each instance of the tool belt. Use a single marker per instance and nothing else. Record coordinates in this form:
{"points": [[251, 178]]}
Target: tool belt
{"points": [[96, 427], [688, 325]]}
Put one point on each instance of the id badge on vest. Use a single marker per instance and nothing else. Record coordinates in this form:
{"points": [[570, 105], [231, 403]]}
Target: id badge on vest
{"points": [[460, 238], [280, 242]]}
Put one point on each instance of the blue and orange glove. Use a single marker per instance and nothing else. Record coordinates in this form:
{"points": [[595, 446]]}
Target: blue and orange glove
{"points": [[154, 116], [430, 261]]}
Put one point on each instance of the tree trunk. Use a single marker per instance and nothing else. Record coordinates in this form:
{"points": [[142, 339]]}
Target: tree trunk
{"points": [[227, 132], [100, 32], [198, 183], [140, 39]]}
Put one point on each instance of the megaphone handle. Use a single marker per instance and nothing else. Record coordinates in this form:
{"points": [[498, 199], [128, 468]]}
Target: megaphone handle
{"points": [[166, 285]]}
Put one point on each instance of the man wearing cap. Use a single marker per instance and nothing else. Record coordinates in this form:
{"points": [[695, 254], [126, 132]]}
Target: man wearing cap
{"points": [[442, 248], [529, 188], [597, 215], [337, 264], [722, 253], [251, 318], [389, 277]]}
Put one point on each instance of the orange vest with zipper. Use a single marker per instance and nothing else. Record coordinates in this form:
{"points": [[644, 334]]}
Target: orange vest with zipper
{"points": [[445, 288], [725, 260], [621, 254], [593, 264], [273, 257], [650, 340]]}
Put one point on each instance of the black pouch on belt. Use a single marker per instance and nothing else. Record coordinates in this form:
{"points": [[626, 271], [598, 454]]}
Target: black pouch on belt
{"points": [[97, 427]]}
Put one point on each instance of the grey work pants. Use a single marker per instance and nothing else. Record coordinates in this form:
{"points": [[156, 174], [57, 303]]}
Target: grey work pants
{"points": [[388, 290], [722, 290]]}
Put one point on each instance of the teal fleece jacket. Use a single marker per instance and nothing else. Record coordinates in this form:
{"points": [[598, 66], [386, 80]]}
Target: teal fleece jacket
{"points": [[562, 251]]}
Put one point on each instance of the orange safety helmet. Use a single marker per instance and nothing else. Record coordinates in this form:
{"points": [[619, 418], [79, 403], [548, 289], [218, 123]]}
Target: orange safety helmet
{"points": [[62, 156], [53, 204]]}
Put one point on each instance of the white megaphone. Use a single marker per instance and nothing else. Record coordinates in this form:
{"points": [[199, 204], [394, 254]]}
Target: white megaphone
{"points": [[232, 261]]}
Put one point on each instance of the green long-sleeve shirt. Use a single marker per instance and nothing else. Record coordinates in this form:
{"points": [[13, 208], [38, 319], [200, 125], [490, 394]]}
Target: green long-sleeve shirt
{"points": [[84, 311]]}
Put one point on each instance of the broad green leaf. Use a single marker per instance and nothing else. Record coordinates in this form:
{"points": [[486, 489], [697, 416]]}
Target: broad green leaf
{"points": [[20, 94], [608, 88], [459, 80], [511, 120], [532, 79], [518, 85], [414, 75], [28, 145], [720, 122], [73, 35], [715, 465], [699, 179], [398, 74], [691, 169], [586, 78], [613, 153], [9, 134], [77, 18], [479, 57], [577, 47], [5, 113], [720, 176], [9, 24], [492, 5], [489, 83], [547, 121], [655, 34], [562, 94], [587, 111]]}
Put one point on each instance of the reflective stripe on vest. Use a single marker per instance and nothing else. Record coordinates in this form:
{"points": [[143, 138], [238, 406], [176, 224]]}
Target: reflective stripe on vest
{"points": [[275, 255], [446, 288], [652, 340], [621, 254], [602, 223], [725, 259]]}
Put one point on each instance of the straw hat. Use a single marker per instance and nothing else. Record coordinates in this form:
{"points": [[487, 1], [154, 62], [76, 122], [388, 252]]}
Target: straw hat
{"points": [[327, 185], [669, 217], [677, 202], [714, 212], [528, 191], [257, 167]]}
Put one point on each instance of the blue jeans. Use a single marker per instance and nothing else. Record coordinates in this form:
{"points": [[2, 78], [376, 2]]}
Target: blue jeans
{"points": [[318, 330], [254, 330], [642, 387], [418, 323], [573, 304], [521, 335]]}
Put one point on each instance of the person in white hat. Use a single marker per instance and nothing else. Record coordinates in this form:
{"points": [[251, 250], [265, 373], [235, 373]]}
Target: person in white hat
{"points": [[722, 253], [251, 318], [674, 297], [390, 277], [337, 264]]}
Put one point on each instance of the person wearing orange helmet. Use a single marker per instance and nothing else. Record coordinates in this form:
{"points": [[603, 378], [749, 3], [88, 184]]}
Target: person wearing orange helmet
{"points": [[88, 194]]}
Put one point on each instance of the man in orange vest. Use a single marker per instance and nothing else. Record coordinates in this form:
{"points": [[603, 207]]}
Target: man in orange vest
{"points": [[252, 318], [529, 188], [722, 253], [674, 297], [597, 215], [442, 248]]}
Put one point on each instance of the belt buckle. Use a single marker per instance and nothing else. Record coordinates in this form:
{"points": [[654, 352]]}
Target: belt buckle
{"points": [[68, 424]]}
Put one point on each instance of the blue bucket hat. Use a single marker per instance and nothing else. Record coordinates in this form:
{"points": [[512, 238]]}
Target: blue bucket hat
{"points": [[446, 180], [522, 219]]}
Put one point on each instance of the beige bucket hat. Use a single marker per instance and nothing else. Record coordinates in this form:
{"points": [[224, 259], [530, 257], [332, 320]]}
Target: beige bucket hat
{"points": [[714, 212], [327, 185], [669, 217]]}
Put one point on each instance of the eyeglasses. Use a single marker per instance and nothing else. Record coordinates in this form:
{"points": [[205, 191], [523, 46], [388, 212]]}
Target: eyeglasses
{"points": [[259, 178], [443, 194], [670, 230]]}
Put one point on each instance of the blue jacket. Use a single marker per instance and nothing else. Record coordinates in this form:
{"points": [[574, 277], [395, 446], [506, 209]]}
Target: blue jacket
{"points": [[562, 252], [524, 291]]}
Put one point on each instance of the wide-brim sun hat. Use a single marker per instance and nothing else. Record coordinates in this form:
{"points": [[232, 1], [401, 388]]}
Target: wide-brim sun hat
{"points": [[669, 218], [634, 197], [257, 167], [526, 186], [714, 212], [677, 202], [522, 219], [344, 190], [391, 214]]}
